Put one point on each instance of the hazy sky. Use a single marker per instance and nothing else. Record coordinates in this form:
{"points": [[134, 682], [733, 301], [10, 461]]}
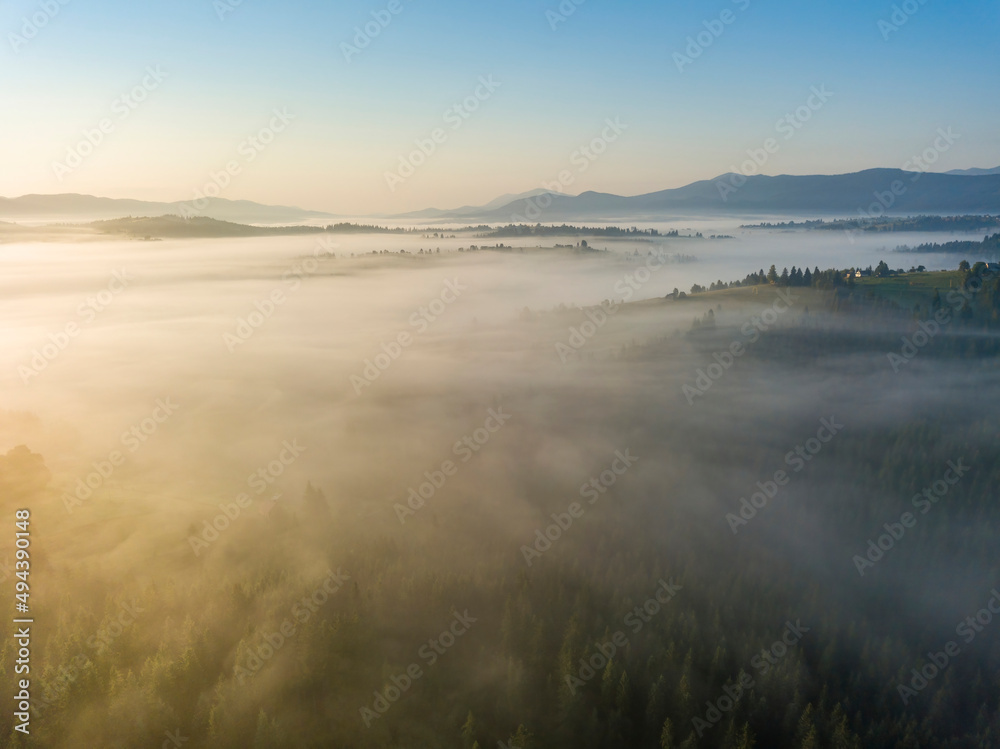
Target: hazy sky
{"points": [[229, 66]]}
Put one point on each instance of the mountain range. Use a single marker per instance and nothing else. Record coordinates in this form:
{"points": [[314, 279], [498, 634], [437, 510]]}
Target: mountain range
{"points": [[70, 207], [975, 172], [873, 192], [869, 192]]}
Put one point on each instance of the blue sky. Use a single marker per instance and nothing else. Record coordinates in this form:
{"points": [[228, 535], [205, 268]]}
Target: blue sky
{"points": [[355, 120]]}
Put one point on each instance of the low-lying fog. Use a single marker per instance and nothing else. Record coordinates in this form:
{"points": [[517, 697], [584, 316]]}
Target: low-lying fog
{"points": [[205, 362], [95, 332], [183, 295], [161, 332]]}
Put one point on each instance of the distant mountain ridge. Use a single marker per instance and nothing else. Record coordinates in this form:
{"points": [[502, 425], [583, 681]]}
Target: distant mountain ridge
{"points": [[475, 210], [872, 191], [975, 172], [76, 207]]}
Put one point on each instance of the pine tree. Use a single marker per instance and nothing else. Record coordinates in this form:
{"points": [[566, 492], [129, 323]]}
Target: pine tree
{"points": [[623, 699], [522, 739], [811, 741], [267, 735], [469, 731], [745, 740], [667, 735], [806, 729], [843, 737]]}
